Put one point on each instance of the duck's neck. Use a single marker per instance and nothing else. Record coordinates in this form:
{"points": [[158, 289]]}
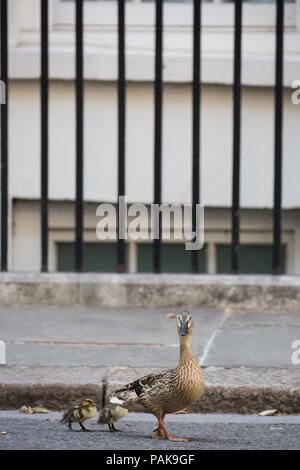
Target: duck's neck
{"points": [[185, 349]]}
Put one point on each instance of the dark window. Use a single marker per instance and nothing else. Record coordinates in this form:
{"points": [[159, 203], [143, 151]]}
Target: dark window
{"points": [[174, 258], [97, 257], [254, 259]]}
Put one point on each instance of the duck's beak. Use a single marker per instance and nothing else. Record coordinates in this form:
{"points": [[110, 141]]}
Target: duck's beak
{"points": [[94, 404], [183, 329]]}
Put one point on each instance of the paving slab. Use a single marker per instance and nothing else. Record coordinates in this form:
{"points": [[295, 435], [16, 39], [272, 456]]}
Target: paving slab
{"points": [[40, 335], [125, 355], [235, 377], [257, 340], [100, 325]]}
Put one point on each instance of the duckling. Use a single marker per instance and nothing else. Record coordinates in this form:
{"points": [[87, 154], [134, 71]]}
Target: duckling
{"points": [[171, 390], [78, 413], [110, 414]]}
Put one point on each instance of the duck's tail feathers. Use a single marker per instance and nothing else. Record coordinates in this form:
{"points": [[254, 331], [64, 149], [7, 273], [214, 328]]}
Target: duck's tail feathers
{"points": [[63, 420], [116, 400]]}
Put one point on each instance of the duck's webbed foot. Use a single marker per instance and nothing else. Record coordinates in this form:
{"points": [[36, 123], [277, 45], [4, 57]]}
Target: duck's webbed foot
{"points": [[112, 428], [182, 412], [82, 427]]}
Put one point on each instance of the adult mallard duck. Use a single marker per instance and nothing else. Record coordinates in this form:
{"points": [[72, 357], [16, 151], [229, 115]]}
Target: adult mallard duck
{"points": [[168, 391]]}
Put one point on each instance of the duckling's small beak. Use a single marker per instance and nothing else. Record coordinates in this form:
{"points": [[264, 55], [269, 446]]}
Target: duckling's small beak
{"points": [[183, 329], [94, 404]]}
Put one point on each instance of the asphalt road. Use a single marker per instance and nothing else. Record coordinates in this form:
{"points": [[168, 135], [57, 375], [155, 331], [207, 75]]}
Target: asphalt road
{"points": [[135, 432]]}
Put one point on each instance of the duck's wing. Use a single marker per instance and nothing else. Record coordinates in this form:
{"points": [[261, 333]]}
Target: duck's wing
{"points": [[106, 416], [73, 412], [146, 382], [135, 395]]}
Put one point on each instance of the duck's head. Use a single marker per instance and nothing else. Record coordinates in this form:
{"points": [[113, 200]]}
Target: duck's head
{"points": [[185, 324], [88, 403]]}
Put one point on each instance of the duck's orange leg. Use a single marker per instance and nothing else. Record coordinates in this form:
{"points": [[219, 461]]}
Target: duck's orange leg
{"points": [[158, 432], [167, 434]]}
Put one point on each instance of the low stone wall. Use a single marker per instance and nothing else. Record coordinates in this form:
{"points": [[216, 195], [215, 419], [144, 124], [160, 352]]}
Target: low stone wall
{"points": [[243, 400], [151, 290]]}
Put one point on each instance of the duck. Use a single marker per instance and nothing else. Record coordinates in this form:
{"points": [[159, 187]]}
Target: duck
{"points": [[78, 413], [110, 414], [170, 390]]}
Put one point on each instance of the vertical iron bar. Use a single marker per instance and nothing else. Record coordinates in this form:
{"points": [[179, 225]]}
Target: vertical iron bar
{"points": [[158, 128], [121, 129], [79, 136], [196, 125], [277, 262], [44, 135], [4, 138], [235, 209]]}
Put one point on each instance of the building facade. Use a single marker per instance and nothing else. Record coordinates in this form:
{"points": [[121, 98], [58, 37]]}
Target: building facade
{"points": [[100, 130]]}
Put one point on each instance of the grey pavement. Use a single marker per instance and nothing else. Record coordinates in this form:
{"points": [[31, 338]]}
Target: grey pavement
{"points": [[58, 336], [256, 340], [135, 432], [82, 345], [92, 336]]}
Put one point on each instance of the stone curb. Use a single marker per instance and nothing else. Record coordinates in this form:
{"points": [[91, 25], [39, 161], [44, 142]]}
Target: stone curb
{"points": [[55, 397], [242, 400], [144, 290]]}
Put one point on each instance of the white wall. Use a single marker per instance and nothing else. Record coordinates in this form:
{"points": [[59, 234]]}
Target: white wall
{"points": [[101, 39], [100, 121]]}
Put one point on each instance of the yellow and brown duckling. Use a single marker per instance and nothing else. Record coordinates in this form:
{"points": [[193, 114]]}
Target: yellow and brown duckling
{"points": [[112, 413], [171, 390], [78, 413]]}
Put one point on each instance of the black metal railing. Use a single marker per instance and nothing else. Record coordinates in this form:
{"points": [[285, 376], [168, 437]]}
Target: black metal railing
{"points": [[235, 209], [196, 124], [44, 134], [4, 138], [79, 138], [277, 261], [158, 128], [121, 131]]}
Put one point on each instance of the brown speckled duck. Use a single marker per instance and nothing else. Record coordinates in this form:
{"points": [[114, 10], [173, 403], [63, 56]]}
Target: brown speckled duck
{"points": [[168, 391]]}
